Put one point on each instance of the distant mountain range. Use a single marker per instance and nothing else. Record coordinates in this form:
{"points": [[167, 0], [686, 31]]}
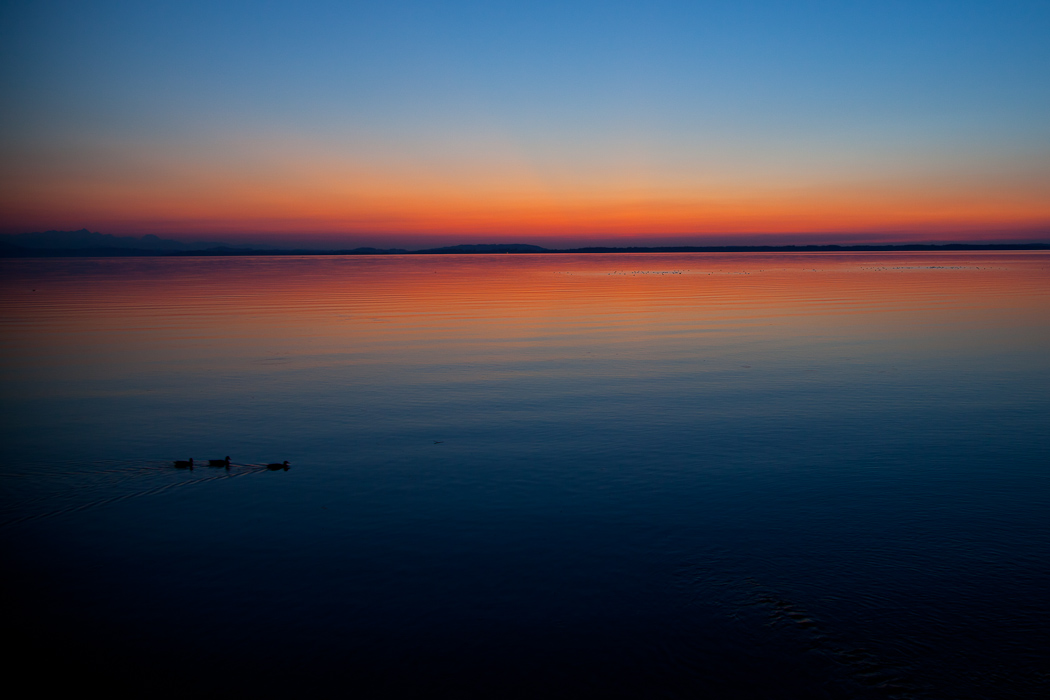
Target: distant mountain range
{"points": [[85, 243]]}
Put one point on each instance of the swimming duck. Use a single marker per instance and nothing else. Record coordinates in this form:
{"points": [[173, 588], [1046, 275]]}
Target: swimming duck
{"points": [[220, 462], [274, 466], [184, 463]]}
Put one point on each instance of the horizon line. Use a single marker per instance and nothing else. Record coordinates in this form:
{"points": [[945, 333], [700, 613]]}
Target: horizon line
{"points": [[13, 251]]}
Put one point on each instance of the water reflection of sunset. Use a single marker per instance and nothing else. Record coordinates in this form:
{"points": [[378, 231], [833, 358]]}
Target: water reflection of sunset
{"points": [[481, 442], [529, 311]]}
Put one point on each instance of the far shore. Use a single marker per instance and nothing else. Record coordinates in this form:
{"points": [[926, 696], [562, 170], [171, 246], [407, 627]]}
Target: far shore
{"points": [[15, 251]]}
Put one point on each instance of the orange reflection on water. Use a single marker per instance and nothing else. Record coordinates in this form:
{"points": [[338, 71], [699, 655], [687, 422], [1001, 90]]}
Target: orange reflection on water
{"points": [[499, 313]]}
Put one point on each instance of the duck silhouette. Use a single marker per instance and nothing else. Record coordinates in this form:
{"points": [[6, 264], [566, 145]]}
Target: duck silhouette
{"points": [[220, 462], [274, 466], [184, 463]]}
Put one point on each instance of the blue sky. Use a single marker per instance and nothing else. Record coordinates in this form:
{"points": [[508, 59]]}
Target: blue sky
{"points": [[376, 120]]}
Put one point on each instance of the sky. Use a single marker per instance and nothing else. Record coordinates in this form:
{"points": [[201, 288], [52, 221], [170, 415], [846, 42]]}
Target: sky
{"points": [[400, 123]]}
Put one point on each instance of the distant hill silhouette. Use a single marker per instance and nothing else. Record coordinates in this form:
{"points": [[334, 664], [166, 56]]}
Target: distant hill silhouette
{"points": [[488, 248], [85, 243]]}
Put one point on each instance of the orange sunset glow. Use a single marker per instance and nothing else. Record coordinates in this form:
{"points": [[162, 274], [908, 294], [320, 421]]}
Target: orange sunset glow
{"points": [[337, 206], [527, 136]]}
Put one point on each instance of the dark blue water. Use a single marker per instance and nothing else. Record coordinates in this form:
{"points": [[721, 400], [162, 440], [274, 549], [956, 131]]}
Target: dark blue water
{"points": [[725, 476]]}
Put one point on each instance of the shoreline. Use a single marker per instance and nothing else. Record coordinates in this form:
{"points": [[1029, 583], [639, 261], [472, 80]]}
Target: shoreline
{"points": [[10, 251]]}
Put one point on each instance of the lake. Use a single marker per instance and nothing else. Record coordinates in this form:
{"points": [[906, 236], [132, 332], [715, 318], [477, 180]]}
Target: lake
{"points": [[625, 475]]}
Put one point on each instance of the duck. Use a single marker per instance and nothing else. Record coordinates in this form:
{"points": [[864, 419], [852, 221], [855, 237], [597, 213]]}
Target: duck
{"points": [[220, 462], [184, 463], [274, 466]]}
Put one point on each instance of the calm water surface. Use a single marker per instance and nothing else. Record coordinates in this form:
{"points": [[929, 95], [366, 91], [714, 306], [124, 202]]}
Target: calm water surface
{"points": [[699, 475]]}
